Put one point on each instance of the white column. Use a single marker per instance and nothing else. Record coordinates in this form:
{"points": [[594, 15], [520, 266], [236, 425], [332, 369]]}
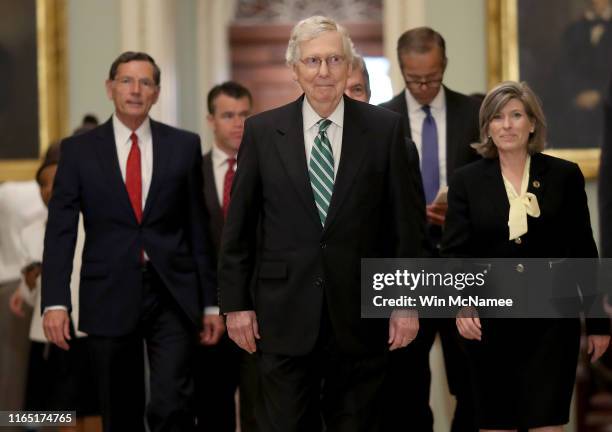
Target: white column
{"points": [[399, 16], [150, 26], [213, 57]]}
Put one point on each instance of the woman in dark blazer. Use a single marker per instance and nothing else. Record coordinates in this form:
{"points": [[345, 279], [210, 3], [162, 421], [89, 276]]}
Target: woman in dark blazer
{"points": [[518, 202]]}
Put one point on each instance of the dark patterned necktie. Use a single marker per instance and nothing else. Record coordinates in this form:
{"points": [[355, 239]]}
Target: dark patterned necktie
{"points": [[321, 170]]}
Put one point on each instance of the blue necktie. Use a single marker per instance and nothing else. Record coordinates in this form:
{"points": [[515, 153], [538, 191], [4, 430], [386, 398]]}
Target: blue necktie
{"points": [[430, 169]]}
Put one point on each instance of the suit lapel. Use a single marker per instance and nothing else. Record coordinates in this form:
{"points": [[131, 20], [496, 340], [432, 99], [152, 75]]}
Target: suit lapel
{"points": [[402, 109], [290, 146], [211, 198], [537, 177], [354, 146], [210, 188], [162, 154], [107, 155], [494, 190], [453, 130]]}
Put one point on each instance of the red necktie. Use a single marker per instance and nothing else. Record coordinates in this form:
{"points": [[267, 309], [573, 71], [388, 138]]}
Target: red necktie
{"points": [[227, 185], [133, 178]]}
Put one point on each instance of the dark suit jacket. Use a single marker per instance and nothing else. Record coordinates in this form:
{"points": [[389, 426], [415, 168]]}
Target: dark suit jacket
{"points": [[461, 126], [605, 182], [478, 207], [215, 225], [172, 232], [295, 268]]}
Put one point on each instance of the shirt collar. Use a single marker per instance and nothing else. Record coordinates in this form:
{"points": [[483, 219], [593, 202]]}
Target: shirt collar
{"points": [[123, 133], [590, 15], [437, 104], [219, 157], [311, 117]]}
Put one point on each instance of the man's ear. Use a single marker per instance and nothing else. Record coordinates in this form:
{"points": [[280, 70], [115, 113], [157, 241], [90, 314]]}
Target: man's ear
{"points": [[157, 91], [108, 84], [294, 74]]}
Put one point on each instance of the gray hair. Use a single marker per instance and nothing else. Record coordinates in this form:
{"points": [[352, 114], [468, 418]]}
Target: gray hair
{"points": [[494, 102], [310, 28], [360, 65]]}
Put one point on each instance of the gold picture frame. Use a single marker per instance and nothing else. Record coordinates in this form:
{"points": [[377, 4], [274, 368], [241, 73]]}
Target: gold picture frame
{"points": [[52, 94], [503, 64]]}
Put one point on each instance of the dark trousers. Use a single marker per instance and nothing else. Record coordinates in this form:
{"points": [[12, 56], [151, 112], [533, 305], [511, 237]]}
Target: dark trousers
{"points": [[323, 390], [221, 369], [408, 381], [169, 338]]}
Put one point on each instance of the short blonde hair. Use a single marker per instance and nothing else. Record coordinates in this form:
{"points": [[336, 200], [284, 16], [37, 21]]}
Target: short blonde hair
{"points": [[312, 27], [493, 103]]}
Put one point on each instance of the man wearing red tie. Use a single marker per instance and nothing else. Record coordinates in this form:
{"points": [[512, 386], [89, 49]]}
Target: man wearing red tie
{"points": [[147, 274], [229, 104]]}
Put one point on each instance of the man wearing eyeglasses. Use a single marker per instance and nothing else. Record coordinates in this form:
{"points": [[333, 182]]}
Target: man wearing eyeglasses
{"points": [[146, 276], [321, 183], [358, 83], [442, 123]]}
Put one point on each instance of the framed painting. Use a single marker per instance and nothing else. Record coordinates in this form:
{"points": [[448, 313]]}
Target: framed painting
{"points": [[33, 99], [563, 50]]}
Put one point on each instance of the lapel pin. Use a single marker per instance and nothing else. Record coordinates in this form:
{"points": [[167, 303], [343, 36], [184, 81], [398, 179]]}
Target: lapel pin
{"points": [[536, 184]]}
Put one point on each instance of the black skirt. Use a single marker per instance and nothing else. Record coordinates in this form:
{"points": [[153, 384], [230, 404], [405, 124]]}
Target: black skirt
{"points": [[523, 372]]}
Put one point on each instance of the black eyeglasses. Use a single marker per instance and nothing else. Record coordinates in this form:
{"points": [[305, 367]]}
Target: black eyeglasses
{"points": [[416, 84]]}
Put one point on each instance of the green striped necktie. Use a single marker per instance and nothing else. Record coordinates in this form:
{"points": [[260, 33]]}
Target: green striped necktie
{"points": [[321, 170]]}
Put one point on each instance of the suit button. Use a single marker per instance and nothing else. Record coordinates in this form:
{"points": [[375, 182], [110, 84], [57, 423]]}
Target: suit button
{"points": [[319, 282], [323, 245], [518, 240], [520, 268]]}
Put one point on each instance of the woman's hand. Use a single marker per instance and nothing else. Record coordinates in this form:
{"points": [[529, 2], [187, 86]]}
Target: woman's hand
{"points": [[468, 323], [597, 345]]}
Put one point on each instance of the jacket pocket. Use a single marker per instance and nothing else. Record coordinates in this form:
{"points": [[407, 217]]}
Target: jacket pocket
{"points": [[273, 270], [184, 263], [94, 270]]}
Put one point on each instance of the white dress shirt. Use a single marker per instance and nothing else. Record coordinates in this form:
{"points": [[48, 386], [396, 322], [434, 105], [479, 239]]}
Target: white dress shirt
{"points": [[334, 131], [123, 143], [220, 165], [416, 116]]}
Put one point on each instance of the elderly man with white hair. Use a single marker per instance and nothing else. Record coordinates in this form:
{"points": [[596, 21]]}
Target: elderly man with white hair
{"points": [[321, 183]]}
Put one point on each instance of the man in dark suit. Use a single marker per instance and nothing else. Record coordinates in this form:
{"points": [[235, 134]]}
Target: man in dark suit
{"points": [[604, 186], [358, 82], [442, 123], [312, 196], [146, 273], [229, 104]]}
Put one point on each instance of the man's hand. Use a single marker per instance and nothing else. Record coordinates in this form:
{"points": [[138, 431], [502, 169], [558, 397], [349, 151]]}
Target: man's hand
{"points": [[16, 304], [436, 213], [242, 328], [597, 345], [403, 328], [468, 323], [213, 328], [56, 325]]}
